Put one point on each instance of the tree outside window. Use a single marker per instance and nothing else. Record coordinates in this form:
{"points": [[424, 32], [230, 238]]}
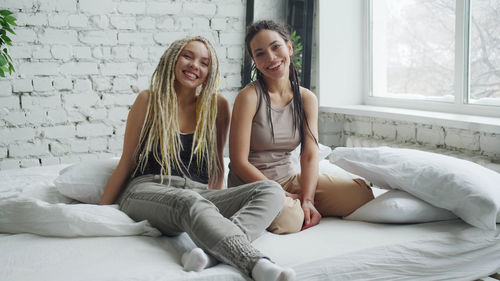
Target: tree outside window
{"points": [[414, 50]]}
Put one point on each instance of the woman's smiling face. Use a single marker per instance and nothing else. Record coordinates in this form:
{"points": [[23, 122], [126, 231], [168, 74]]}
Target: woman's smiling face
{"points": [[271, 54], [193, 65]]}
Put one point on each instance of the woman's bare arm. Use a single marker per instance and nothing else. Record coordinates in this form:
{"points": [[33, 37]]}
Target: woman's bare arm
{"points": [[244, 109], [127, 164], [309, 159]]}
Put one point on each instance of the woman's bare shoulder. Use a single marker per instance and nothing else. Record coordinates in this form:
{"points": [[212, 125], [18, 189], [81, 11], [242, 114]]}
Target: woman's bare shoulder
{"points": [[140, 105], [142, 97], [247, 94], [308, 97], [222, 106], [306, 93], [221, 100]]}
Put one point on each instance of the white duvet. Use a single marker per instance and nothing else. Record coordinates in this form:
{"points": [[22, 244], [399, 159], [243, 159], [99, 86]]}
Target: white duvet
{"points": [[25, 207], [28, 215], [121, 249]]}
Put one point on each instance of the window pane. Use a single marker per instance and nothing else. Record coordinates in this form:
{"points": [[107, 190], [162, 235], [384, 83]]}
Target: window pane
{"points": [[414, 49], [485, 52]]}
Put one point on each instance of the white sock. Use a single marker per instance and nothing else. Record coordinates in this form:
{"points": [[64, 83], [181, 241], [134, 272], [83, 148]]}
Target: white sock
{"points": [[194, 260], [265, 270]]}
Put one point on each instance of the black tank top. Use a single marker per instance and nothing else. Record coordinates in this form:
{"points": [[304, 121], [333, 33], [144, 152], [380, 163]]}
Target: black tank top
{"points": [[193, 171]]}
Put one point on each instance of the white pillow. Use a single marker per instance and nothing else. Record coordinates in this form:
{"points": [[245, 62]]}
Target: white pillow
{"points": [[323, 152], [86, 181], [469, 190], [396, 206]]}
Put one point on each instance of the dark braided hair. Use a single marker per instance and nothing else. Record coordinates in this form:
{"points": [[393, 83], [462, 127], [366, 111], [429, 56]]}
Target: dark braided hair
{"points": [[299, 114]]}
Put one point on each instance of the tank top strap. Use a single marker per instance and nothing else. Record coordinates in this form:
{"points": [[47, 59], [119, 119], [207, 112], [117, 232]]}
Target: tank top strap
{"points": [[260, 94]]}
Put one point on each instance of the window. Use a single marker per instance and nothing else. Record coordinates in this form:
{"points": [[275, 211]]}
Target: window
{"points": [[441, 55], [485, 52]]}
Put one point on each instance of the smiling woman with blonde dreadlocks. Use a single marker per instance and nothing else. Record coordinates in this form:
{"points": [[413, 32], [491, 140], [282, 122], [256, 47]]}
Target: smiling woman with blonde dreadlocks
{"points": [[171, 169]]}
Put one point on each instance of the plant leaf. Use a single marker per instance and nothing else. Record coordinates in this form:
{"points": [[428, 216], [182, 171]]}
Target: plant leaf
{"points": [[5, 12], [6, 40], [3, 60], [11, 20], [9, 29], [6, 54], [1, 72]]}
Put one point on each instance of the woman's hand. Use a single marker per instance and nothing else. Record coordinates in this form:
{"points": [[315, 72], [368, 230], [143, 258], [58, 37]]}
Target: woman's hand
{"points": [[311, 215]]}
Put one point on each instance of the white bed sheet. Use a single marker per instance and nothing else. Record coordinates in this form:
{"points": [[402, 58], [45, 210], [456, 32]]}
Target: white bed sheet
{"points": [[334, 250]]}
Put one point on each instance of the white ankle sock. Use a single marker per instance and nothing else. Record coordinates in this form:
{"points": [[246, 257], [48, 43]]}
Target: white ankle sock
{"points": [[194, 260], [265, 270]]}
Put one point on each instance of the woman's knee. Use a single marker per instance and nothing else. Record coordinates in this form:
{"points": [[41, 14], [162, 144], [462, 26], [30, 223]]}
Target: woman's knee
{"points": [[341, 196], [291, 218], [191, 199], [270, 187], [271, 191], [365, 192]]}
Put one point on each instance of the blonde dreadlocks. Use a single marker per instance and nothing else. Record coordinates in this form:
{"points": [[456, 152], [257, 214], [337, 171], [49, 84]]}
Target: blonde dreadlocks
{"points": [[160, 133]]}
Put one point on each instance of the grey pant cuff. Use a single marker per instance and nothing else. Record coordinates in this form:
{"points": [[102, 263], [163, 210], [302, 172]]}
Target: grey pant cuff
{"points": [[237, 251]]}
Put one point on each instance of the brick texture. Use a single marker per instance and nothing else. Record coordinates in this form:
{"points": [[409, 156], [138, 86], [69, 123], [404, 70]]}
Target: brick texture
{"points": [[361, 131], [80, 64]]}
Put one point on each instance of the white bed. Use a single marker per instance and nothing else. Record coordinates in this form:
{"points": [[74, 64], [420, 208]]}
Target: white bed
{"points": [[336, 249]]}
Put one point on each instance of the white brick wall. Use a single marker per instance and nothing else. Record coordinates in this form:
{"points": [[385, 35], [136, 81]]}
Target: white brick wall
{"points": [[350, 130], [80, 63]]}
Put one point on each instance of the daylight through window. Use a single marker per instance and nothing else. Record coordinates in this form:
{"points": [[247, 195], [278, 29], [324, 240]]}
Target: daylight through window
{"points": [[436, 50]]}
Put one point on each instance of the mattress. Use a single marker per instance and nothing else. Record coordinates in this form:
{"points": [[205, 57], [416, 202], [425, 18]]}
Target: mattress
{"points": [[336, 249]]}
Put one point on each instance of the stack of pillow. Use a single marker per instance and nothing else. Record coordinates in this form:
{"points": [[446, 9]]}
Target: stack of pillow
{"points": [[466, 189]]}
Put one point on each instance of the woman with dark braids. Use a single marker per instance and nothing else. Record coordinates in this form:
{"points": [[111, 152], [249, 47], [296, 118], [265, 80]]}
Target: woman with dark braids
{"points": [[171, 169], [271, 117]]}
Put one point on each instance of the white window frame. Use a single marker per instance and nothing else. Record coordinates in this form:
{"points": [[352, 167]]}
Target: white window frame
{"points": [[460, 105]]}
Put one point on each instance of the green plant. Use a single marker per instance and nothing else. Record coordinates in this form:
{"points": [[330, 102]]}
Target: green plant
{"points": [[297, 52], [6, 21]]}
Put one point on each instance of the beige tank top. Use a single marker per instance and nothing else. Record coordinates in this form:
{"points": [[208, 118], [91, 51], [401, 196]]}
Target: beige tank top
{"points": [[271, 157]]}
